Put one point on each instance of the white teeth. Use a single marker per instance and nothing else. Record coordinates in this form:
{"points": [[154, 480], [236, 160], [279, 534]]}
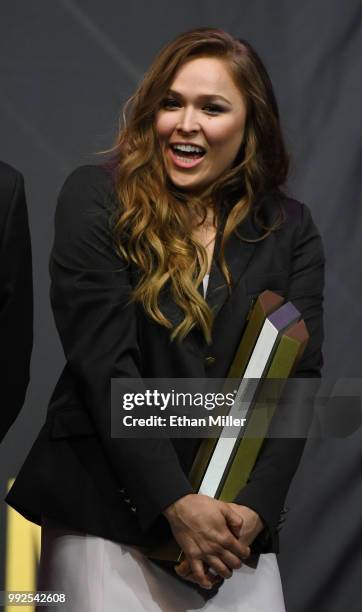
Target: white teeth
{"points": [[187, 148]]}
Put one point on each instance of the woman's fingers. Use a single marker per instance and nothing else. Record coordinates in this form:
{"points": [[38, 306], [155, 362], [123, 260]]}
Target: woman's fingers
{"points": [[184, 571], [199, 574], [232, 561], [218, 566], [194, 571], [230, 543], [203, 523], [233, 519], [214, 576], [183, 568]]}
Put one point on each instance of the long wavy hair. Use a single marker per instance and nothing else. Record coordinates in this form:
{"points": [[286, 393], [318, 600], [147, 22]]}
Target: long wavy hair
{"points": [[152, 224]]}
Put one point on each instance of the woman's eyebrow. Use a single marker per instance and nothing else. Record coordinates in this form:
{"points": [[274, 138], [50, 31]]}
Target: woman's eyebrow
{"points": [[202, 97]]}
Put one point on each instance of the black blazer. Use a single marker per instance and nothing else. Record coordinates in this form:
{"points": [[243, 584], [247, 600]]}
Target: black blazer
{"points": [[16, 296], [117, 488]]}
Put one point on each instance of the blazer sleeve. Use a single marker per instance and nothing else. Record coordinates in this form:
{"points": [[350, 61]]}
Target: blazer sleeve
{"points": [[16, 303], [278, 460], [90, 290]]}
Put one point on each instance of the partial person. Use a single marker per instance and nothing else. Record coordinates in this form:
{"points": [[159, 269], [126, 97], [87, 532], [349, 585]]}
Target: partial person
{"points": [[16, 296]]}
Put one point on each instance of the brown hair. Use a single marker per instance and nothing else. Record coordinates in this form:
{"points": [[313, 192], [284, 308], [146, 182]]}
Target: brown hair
{"points": [[152, 227]]}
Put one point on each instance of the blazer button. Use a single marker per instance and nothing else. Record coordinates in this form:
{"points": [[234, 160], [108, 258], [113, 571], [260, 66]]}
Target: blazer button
{"points": [[209, 361]]}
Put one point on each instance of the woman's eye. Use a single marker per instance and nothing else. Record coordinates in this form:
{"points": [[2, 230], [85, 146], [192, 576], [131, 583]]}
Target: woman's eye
{"points": [[214, 108], [169, 102], [209, 108]]}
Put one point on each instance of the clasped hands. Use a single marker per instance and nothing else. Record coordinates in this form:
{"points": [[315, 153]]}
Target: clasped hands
{"points": [[215, 537]]}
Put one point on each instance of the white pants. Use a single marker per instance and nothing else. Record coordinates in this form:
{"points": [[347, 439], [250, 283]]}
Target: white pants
{"points": [[99, 575]]}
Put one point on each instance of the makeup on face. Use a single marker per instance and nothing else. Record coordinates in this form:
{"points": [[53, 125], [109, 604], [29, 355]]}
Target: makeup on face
{"points": [[200, 123]]}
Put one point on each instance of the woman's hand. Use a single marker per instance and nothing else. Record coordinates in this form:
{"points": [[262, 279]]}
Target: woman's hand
{"points": [[208, 531], [252, 523], [251, 527]]}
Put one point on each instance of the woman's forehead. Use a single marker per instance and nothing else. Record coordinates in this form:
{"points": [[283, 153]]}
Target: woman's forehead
{"points": [[205, 76]]}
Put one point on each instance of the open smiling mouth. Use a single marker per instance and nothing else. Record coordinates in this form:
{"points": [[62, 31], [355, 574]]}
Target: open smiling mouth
{"points": [[186, 156]]}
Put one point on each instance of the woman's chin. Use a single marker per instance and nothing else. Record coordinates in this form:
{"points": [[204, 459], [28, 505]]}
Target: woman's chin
{"points": [[189, 186]]}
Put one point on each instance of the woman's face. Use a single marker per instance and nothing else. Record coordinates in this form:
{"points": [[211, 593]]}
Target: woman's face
{"points": [[203, 108]]}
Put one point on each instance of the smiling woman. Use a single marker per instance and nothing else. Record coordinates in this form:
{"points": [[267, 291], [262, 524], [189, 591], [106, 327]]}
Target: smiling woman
{"points": [[155, 254], [209, 90], [192, 118]]}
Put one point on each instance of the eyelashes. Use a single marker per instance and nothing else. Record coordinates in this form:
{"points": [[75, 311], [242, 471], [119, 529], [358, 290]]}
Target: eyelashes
{"points": [[171, 103]]}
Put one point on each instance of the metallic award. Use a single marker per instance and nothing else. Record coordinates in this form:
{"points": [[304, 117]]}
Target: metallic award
{"points": [[272, 343]]}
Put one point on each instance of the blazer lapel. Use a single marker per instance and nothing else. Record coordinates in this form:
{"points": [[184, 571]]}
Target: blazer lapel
{"points": [[238, 253]]}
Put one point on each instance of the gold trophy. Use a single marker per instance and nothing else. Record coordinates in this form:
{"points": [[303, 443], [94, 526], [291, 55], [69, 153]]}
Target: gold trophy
{"points": [[274, 339]]}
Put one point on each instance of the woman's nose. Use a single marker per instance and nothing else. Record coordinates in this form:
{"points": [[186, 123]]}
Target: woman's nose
{"points": [[188, 121]]}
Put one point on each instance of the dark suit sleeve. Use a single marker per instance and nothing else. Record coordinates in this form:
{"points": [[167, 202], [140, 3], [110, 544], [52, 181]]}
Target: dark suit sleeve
{"points": [[16, 302], [90, 290], [268, 485]]}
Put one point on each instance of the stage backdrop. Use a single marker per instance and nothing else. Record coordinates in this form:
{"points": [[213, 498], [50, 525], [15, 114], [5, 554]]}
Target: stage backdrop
{"points": [[66, 67]]}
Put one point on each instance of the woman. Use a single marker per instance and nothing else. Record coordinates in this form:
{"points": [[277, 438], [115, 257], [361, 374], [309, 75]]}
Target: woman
{"points": [[190, 204]]}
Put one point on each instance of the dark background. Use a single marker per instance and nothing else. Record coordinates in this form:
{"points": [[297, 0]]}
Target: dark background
{"points": [[66, 67]]}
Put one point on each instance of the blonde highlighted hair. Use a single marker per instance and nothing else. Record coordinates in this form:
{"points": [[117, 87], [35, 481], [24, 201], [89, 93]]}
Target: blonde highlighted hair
{"points": [[153, 221]]}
